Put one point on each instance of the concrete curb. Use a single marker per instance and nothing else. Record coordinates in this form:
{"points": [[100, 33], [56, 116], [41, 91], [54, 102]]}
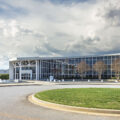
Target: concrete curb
{"points": [[53, 83], [94, 111], [18, 85], [10, 85], [25, 84]]}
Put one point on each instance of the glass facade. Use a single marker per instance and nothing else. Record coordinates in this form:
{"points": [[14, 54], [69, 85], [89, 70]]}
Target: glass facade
{"points": [[63, 68]]}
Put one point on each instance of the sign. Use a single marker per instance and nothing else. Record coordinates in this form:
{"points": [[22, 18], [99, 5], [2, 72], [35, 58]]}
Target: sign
{"points": [[51, 78]]}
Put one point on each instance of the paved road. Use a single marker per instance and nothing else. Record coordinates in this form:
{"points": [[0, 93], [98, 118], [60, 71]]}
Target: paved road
{"points": [[15, 106]]}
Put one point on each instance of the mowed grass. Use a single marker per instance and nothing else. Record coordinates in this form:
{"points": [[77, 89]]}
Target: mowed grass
{"points": [[105, 98]]}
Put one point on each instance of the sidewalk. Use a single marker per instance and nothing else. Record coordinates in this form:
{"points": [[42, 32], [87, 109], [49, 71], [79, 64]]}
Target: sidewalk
{"points": [[86, 83], [28, 83], [23, 83]]}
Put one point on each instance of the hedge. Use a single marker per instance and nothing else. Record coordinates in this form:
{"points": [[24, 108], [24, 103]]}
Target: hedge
{"points": [[4, 76]]}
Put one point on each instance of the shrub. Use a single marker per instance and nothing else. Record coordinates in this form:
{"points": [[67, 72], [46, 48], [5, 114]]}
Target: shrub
{"points": [[114, 78], [4, 76]]}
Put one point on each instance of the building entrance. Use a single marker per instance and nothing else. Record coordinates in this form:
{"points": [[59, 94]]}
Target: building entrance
{"points": [[26, 76]]}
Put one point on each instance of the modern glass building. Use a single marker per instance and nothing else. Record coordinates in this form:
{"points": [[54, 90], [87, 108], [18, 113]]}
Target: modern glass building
{"points": [[41, 68]]}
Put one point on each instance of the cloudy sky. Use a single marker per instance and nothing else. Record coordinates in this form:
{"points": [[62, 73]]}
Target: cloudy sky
{"points": [[58, 28]]}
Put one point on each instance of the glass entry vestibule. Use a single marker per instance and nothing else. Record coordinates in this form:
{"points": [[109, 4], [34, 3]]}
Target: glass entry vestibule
{"points": [[26, 76]]}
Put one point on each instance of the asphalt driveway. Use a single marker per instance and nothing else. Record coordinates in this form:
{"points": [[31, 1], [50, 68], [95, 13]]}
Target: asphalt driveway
{"points": [[15, 106]]}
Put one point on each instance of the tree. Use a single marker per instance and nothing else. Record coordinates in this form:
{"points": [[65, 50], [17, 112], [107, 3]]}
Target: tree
{"points": [[72, 69], [56, 71], [99, 67], [116, 67], [82, 67]]}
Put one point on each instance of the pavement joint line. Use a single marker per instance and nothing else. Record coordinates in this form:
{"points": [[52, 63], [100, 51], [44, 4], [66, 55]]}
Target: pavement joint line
{"points": [[83, 110]]}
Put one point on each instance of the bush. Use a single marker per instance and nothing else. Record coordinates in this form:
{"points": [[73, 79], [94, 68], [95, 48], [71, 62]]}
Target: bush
{"points": [[4, 76], [114, 78]]}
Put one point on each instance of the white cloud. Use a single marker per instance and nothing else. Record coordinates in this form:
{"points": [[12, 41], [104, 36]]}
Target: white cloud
{"points": [[47, 29]]}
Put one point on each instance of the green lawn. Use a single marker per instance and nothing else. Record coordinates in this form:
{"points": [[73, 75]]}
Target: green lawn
{"points": [[106, 98]]}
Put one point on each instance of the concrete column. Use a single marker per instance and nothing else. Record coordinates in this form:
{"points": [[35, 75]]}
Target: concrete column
{"points": [[20, 70], [111, 67], [62, 69], [11, 71], [15, 72], [92, 67], [40, 69], [37, 70], [68, 68]]}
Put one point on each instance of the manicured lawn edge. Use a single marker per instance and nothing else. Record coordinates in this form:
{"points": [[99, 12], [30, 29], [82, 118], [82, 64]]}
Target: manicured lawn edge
{"points": [[101, 98], [94, 111]]}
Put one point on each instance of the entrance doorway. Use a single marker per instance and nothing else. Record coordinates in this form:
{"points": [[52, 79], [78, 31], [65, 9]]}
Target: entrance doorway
{"points": [[26, 76]]}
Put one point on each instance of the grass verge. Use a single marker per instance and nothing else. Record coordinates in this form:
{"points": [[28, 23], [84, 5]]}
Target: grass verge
{"points": [[105, 98]]}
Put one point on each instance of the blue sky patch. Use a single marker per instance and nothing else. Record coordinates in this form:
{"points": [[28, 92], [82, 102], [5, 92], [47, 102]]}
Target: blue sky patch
{"points": [[9, 11]]}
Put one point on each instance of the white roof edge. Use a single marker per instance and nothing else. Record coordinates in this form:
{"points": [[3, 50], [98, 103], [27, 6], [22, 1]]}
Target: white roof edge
{"points": [[36, 58]]}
